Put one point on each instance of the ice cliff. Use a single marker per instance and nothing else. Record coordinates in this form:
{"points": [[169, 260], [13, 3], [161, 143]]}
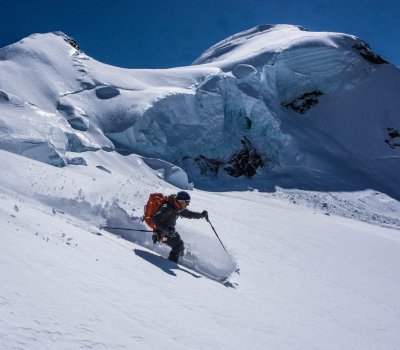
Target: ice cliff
{"points": [[276, 104]]}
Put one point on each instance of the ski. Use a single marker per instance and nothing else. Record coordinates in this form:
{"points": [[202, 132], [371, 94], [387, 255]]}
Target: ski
{"points": [[224, 280]]}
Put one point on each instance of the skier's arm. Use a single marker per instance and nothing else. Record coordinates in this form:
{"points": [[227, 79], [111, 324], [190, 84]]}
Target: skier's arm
{"points": [[188, 214]]}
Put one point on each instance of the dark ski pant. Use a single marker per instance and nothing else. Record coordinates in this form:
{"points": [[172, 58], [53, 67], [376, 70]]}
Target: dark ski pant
{"points": [[174, 241]]}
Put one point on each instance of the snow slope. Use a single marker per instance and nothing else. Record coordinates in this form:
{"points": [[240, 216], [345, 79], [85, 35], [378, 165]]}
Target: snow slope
{"points": [[307, 280]]}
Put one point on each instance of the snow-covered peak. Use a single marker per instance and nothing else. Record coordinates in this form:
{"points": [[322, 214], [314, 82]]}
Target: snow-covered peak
{"points": [[258, 43], [41, 46], [240, 38], [275, 103]]}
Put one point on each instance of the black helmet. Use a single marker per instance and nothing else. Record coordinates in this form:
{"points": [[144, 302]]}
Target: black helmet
{"points": [[182, 196]]}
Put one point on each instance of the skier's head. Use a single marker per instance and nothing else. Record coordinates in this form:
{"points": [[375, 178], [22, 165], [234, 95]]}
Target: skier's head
{"points": [[183, 198]]}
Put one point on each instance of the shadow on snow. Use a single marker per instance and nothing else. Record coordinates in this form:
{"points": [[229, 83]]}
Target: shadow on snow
{"points": [[163, 264]]}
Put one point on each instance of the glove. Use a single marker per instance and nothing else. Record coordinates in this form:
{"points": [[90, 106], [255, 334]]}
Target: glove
{"points": [[155, 237], [204, 214]]}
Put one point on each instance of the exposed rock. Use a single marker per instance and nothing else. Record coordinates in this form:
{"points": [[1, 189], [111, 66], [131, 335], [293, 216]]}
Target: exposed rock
{"points": [[393, 139], [208, 166], [368, 54], [393, 133], [73, 43], [68, 39], [245, 162], [303, 103]]}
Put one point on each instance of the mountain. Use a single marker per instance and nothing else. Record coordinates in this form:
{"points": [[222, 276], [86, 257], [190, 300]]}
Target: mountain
{"points": [[276, 103], [291, 141]]}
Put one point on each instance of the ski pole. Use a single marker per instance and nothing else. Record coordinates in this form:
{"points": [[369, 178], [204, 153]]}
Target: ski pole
{"points": [[217, 235], [122, 228]]}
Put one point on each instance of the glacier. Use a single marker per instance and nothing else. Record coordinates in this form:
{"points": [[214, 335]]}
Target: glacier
{"points": [[275, 105]]}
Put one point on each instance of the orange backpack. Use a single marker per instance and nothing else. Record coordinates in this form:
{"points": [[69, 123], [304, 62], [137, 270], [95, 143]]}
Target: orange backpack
{"points": [[154, 203]]}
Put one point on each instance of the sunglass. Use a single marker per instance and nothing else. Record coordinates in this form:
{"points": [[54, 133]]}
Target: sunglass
{"points": [[186, 201]]}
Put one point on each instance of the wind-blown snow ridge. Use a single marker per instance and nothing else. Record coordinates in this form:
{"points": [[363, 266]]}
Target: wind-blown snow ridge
{"points": [[237, 44]]}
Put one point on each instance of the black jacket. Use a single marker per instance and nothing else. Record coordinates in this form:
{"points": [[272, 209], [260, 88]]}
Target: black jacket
{"points": [[165, 218]]}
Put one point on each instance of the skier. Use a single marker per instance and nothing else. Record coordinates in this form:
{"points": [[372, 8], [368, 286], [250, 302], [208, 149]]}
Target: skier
{"points": [[165, 220]]}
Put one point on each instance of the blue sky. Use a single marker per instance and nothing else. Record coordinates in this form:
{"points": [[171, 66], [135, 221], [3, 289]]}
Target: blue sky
{"points": [[170, 33]]}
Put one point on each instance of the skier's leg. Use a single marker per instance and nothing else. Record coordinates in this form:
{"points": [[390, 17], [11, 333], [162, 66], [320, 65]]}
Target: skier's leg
{"points": [[174, 241]]}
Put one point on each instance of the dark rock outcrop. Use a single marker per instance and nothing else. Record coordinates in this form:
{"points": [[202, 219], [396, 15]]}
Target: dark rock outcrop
{"points": [[208, 166], [73, 43], [303, 103], [393, 139], [245, 162], [366, 52]]}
